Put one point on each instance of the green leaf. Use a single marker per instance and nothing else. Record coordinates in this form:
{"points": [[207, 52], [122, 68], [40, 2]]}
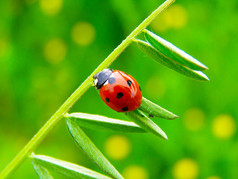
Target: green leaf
{"points": [[159, 57], [155, 110], [42, 172], [146, 123], [66, 168], [91, 150], [103, 123], [173, 52]]}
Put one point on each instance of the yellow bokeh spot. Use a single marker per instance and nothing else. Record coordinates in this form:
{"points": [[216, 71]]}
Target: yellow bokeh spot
{"points": [[51, 7], [117, 147], [185, 169], [160, 24], [224, 126], [83, 33], [213, 177], [135, 172], [194, 119], [175, 17], [155, 87], [55, 51]]}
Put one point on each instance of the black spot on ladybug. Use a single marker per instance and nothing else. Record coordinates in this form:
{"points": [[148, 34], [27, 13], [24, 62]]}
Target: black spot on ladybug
{"points": [[111, 80], [119, 95], [139, 88], [129, 82], [150, 115], [125, 109], [107, 100]]}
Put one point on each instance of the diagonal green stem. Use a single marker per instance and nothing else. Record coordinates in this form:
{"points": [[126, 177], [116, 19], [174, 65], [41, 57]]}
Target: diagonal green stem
{"points": [[35, 141]]}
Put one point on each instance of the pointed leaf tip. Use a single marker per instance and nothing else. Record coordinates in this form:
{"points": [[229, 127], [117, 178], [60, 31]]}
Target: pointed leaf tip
{"points": [[155, 110], [173, 52], [104, 123], [146, 123], [161, 58]]}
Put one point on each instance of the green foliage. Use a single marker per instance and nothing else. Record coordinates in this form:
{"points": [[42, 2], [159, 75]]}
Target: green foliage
{"points": [[170, 63], [42, 172], [155, 110], [59, 114], [42, 163], [172, 52], [91, 150], [146, 123], [104, 123], [32, 88]]}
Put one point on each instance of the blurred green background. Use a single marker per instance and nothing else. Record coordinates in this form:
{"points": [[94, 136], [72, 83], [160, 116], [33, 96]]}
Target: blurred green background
{"points": [[48, 48]]}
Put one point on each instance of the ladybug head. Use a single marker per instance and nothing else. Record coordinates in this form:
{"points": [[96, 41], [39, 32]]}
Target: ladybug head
{"points": [[101, 77]]}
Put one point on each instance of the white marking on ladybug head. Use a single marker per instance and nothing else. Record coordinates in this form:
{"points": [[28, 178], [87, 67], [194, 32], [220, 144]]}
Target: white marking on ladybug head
{"points": [[95, 82]]}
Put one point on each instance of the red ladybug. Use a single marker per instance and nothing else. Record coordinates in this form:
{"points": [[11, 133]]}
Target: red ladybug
{"points": [[118, 90]]}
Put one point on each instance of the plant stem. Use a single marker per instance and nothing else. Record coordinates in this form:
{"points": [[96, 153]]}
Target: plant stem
{"points": [[34, 142]]}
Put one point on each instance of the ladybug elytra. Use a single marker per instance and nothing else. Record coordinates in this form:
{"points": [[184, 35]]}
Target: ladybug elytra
{"points": [[118, 90]]}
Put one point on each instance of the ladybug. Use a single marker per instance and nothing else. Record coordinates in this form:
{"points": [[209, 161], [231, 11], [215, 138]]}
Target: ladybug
{"points": [[118, 90]]}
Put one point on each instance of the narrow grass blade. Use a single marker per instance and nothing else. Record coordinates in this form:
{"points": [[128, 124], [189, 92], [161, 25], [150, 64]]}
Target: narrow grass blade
{"points": [[146, 123], [103, 123], [159, 57], [91, 150], [173, 52], [66, 168], [155, 110], [42, 172]]}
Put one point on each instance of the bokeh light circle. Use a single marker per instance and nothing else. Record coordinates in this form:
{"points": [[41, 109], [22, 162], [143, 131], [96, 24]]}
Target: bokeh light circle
{"points": [[117, 147]]}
